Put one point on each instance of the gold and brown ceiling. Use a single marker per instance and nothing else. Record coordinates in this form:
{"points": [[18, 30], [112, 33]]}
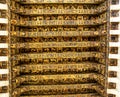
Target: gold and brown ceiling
{"points": [[58, 48]]}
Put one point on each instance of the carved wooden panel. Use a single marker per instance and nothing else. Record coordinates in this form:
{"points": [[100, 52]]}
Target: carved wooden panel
{"points": [[59, 47]]}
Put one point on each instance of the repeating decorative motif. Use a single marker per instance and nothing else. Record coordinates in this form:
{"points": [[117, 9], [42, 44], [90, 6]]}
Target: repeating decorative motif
{"points": [[58, 48], [4, 53]]}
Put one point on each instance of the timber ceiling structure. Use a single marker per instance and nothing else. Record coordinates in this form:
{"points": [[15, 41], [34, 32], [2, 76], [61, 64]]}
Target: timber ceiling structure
{"points": [[58, 48]]}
